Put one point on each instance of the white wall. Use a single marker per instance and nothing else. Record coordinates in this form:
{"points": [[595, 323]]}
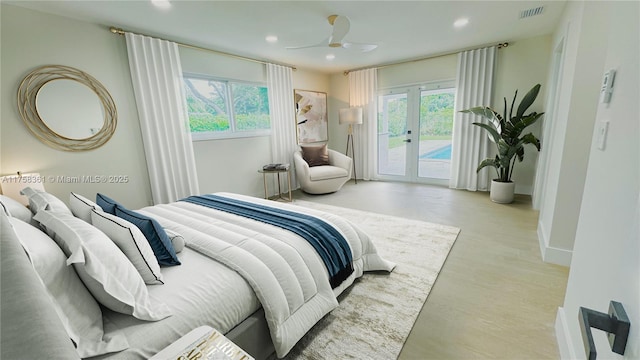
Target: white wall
{"points": [[338, 99], [606, 258], [31, 39], [521, 65], [581, 32], [431, 70]]}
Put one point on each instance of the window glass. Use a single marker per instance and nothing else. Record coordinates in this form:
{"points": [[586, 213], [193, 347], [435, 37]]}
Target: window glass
{"points": [[225, 109]]}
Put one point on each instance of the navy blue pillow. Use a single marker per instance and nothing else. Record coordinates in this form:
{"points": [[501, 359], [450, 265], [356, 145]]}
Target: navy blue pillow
{"points": [[107, 204], [155, 234]]}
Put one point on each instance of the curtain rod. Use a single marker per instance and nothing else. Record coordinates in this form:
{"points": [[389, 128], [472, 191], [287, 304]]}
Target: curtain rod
{"points": [[118, 31], [500, 46]]}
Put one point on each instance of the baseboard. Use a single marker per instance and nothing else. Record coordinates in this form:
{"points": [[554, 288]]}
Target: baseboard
{"points": [[542, 239], [525, 190], [563, 338], [552, 254]]}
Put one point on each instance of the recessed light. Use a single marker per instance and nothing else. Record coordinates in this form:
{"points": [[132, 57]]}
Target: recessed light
{"points": [[271, 39], [330, 57], [162, 4], [461, 22]]}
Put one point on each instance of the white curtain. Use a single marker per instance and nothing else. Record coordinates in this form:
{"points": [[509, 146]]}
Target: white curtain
{"points": [[282, 110], [363, 85], [157, 83], [474, 86]]}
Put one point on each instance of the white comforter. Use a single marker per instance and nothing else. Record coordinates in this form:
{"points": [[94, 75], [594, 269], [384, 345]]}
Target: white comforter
{"points": [[287, 275]]}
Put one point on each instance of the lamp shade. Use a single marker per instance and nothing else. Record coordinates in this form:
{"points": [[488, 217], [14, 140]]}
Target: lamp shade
{"points": [[12, 185], [352, 115]]}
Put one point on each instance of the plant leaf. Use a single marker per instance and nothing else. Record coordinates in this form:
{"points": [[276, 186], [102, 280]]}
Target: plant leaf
{"points": [[531, 139], [521, 124], [520, 153], [488, 162], [495, 137], [527, 100], [505, 108], [487, 113], [512, 104], [483, 111]]}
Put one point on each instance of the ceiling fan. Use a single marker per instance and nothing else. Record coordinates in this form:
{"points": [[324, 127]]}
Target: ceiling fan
{"points": [[341, 26]]}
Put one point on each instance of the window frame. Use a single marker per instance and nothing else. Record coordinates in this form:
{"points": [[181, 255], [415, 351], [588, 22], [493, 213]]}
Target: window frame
{"points": [[414, 90], [232, 133]]}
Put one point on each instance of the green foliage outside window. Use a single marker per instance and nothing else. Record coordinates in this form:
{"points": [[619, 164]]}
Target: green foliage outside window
{"points": [[208, 106], [436, 116]]}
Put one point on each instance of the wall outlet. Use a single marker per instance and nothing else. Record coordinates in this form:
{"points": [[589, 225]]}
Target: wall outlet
{"points": [[603, 129]]}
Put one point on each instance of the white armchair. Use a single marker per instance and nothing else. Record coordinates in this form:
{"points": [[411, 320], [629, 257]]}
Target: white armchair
{"points": [[325, 178]]}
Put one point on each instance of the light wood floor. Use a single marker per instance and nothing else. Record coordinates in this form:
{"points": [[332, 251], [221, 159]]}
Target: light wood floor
{"points": [[494, 298]]}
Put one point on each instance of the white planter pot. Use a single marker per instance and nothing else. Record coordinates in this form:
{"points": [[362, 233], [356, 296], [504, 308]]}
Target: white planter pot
{"points": [[502, 192]]}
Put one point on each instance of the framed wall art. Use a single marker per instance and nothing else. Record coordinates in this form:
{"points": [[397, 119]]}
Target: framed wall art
{"points": [[311, 116]]}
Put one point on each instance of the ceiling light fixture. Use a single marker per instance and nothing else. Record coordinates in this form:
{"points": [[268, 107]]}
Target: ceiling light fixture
{"points": [[162, 4], [271, 39], [461, 22], [331, 57]]}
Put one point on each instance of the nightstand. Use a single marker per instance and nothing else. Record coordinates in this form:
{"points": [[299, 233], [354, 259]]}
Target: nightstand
{"points": [[286, 170], [204, 343]]}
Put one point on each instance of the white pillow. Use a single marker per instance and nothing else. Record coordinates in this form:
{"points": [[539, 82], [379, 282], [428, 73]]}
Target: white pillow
{"points": [[15, 209], [81, 207], [132, 242], [40, 200], [102, 267], [78, 310], [177, 240]]}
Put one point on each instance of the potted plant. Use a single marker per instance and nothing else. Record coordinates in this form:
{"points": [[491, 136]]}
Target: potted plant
{"points": [[506, 132]]}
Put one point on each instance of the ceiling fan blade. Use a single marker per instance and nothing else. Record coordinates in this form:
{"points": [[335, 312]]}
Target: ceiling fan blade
{"points": [[361, 47], [324, 43], [341, 27]]}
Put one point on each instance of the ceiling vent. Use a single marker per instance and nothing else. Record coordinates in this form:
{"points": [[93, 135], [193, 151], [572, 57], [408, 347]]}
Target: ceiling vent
{"points": [[531, 12]]}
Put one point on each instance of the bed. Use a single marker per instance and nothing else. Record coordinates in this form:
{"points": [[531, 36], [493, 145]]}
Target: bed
{"points": [[262, 285]]}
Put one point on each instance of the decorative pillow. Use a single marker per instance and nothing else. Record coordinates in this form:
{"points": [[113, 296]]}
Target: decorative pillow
{"points": [[177, 240], [40, 200], [315, 155], [155, 234], [81, 207], [15, 209], [107, 204], [102, 267], [132, 243], [78, 310]]}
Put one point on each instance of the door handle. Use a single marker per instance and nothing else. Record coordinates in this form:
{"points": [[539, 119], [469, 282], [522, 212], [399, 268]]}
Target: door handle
{"points": [[406, 140], [615, 323]]}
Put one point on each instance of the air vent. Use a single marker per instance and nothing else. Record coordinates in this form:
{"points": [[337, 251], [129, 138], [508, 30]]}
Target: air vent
{"points": [[531, 12]]}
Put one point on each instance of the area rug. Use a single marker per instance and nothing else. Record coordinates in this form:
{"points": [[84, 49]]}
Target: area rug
{"points": [[377, 313]]}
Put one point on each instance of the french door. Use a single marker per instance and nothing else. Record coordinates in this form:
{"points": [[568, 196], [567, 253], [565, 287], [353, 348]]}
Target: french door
{"points": [[414, 133]]}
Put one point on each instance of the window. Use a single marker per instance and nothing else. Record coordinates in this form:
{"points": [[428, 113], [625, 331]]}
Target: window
{"points": [[225, 108]]}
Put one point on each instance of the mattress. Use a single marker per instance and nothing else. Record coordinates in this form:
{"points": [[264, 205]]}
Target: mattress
{"points": [[193, 293]]}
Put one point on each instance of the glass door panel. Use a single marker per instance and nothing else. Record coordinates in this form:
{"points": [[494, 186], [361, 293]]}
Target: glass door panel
{"points": [[392, 134], [436, 127]]}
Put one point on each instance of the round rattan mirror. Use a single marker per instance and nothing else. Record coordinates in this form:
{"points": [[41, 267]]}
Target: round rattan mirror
{"points": [[66, 108]]}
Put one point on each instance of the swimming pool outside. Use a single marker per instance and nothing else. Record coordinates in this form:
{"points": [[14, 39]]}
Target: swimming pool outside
{"points": [[441, 153], [434, 160]]}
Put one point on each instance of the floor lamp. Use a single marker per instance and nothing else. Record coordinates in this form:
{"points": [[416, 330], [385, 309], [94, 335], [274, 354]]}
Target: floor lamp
{"points": [[351, 116]]}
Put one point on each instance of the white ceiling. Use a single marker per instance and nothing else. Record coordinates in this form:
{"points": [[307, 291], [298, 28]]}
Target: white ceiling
{"points": [[403, 30]]}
